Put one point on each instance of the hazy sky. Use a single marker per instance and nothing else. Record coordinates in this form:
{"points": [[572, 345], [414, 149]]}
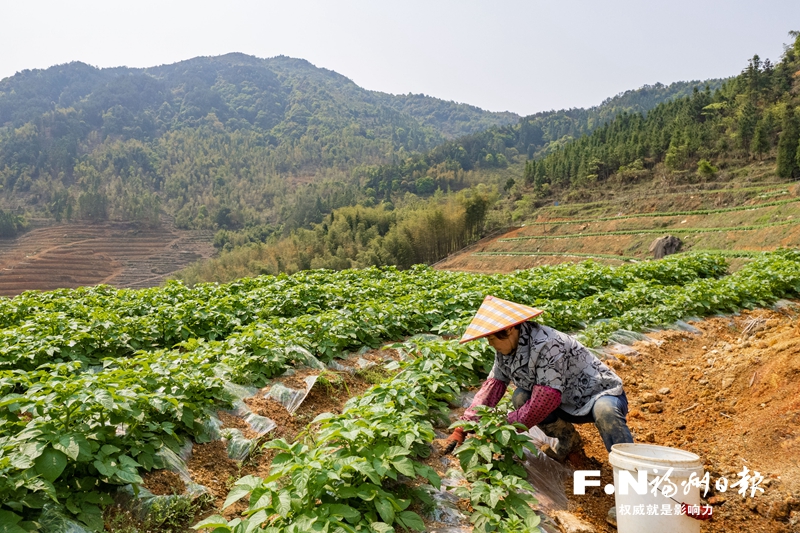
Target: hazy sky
{"points": [[521, 56]]}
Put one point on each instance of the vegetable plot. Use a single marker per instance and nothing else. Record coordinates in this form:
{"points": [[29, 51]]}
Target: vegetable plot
{"points": [[96, 382]]}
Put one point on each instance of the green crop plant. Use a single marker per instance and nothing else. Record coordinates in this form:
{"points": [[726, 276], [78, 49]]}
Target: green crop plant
{"points": [[94, 382], [499, 493]]}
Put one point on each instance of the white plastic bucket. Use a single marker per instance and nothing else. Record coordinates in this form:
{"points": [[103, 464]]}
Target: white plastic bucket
{"points": [[628, 460]]}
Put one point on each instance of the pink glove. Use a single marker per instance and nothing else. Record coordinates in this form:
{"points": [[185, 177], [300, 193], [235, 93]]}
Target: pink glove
{"points": [[544, 400], [491, 392]]}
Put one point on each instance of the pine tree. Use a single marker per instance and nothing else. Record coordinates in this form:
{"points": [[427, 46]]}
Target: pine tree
{"points": [[760, 144], [747, 124], [787, 145]]}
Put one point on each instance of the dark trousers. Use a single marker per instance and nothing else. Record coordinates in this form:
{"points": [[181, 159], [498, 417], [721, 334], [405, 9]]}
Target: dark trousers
{"points": [[608, 414]]}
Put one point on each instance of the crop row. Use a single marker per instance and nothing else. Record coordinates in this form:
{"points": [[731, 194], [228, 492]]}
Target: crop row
{"points": [[95, 324], [781, 189], [560, 254], [72, 427], [749, 254], [668, 213], [654, 231], [352, 474], [760, 282], [70, 436]]}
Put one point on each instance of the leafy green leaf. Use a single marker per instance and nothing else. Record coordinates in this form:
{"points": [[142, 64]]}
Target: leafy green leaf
{"points": [[385, 509], [216, 521], [405, 466], [92, 516], [9, 521], [51, 464], [241, 488], [380, 527], [284, 503], [411, 520], [345, 511], [69, 445]]}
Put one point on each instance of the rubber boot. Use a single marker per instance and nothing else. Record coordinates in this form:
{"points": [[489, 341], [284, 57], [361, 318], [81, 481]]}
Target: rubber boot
{"points": [[569, 439], [611, 517]]}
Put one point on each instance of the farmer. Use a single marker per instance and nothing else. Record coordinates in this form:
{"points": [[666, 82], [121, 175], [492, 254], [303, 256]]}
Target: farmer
{"points": [[558, 381]]}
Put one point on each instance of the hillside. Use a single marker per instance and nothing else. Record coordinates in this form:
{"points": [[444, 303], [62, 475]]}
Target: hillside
{"points": [[741, 216], [242, 91], [260, 149], [394, 227], [215, 141], [716, 169], [237, 141]]}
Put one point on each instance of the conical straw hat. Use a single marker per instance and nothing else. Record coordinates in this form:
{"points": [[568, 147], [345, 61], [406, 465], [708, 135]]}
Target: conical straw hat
{"points": [[496, 314]]}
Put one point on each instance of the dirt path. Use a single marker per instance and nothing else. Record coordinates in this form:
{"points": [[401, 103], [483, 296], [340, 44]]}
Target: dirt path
{"points": [[730, 394]]}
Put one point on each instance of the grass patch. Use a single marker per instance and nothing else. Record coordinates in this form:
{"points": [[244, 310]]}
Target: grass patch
{"points": [[373, 374], [333, 382], [165, 514], [564, 254], [669, 213], [653, 231]]}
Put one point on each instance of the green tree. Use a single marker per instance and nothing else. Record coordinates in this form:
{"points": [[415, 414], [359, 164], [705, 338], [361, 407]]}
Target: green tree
{"points": [[760, 144], [706, 169], [747, 124], [787, 145]]}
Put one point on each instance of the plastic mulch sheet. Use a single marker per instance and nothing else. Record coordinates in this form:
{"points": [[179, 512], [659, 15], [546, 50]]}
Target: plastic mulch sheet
{"points": [[303, 357], [53, 520], [239, 447], [547, 477], [684, 326], [780, 305], [615, 349], [444, 508], [464, 399], [288, 397], [627, 338], [338, 367], [360, 364], [176, 462]]}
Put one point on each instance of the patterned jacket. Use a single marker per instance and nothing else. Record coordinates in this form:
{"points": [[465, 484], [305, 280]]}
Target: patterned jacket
{"points": [[545, 356]]}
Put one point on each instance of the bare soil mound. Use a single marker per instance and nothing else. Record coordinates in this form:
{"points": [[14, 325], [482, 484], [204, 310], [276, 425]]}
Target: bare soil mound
{"points": [[730, 394]]}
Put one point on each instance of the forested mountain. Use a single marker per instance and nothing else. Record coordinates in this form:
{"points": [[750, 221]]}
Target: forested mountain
{"points": [[451, 119], [755, 114], [215, 141], [686, 130], [532, 136]]}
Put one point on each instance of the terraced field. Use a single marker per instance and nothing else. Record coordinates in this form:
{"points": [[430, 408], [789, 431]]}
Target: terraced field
{"points": [[118, 254], [734, 220]]}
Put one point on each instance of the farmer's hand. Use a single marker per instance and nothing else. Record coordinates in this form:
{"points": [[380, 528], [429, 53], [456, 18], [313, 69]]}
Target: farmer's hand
{"points": [[446, 446]]}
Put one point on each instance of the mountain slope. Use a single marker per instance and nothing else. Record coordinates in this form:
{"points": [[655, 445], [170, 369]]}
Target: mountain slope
{"points": [[215, 141], [241, 90], [533, 136]]}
